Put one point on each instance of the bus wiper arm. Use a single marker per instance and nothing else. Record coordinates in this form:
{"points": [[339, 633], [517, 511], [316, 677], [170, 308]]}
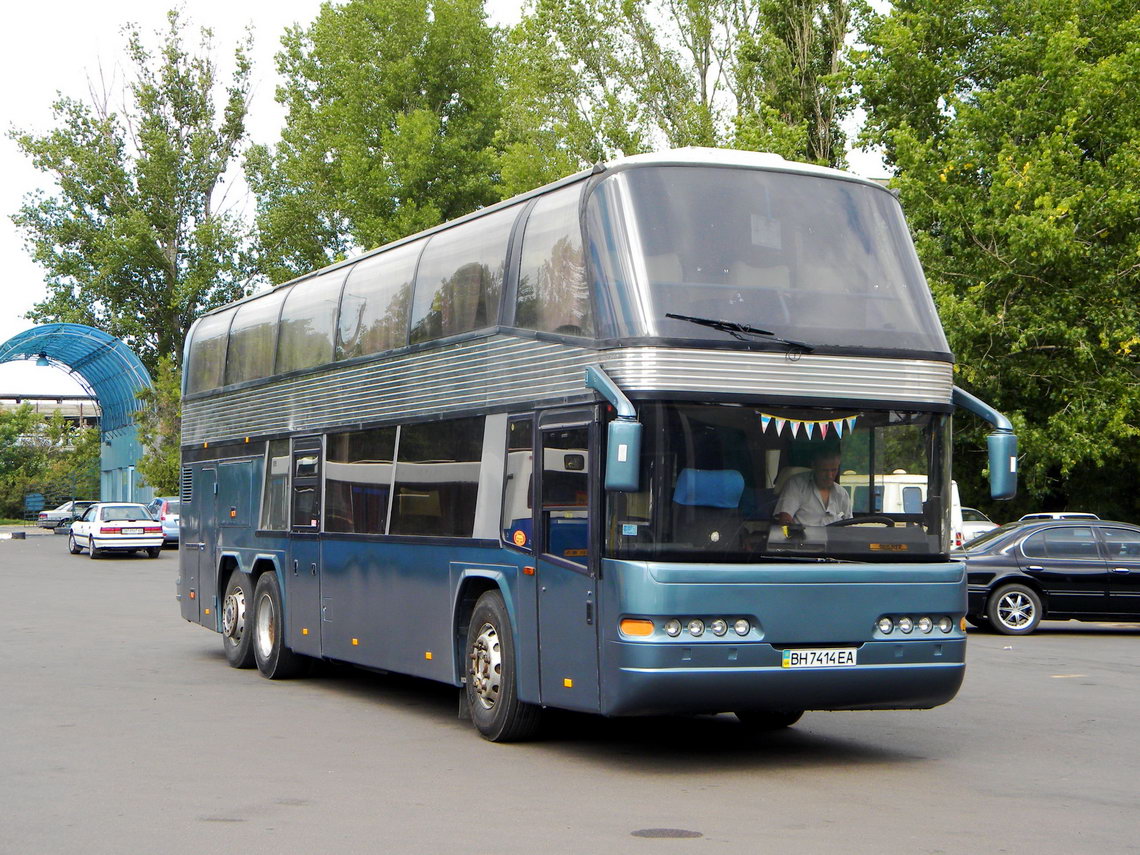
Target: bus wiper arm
{"points": [[739, 331]]}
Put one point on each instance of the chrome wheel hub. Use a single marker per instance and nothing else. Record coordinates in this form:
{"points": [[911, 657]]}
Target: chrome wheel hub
{"points": [[1015, 610], [266, 625], [233, 614], [485, 666]]}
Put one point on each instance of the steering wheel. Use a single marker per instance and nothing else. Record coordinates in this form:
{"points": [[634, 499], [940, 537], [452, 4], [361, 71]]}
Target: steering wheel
{"points": [[881, 519]]}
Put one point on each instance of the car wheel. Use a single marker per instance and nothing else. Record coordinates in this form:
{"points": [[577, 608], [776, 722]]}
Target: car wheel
{"points": [[73, 547], [92, 552], [274, 660], [762, 721], [1014, 609], [154, 552], [492, 689], [237, 626]]}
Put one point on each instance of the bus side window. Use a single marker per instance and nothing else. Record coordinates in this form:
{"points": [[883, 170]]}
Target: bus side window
{"points": [[518, 487], [565, 492], [274, 514]]}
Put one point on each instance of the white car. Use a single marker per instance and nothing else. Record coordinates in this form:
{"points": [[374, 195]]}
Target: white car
{"points": [[974, 522], [116, 526]]}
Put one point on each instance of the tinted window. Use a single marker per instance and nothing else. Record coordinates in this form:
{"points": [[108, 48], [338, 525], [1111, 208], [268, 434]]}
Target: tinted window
{"points": [[253, 339], [305, 339], [1063, 543], [815, 259], [208, 353], [358, 472], [276, 495], [1122, 543], [553, 294], [376, 301], [437, 478], [460, 278], [565, 491], [517, 490]]}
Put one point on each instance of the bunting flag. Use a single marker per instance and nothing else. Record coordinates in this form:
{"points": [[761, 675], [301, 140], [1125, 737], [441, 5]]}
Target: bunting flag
{"points": [[809, 426]]}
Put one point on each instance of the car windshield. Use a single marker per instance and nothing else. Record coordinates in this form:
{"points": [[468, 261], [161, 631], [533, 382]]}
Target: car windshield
{"points": [[716, 478], [124, 513], [982, 542]]}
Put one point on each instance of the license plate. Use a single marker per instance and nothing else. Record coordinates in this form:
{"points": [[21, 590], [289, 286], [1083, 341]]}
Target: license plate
{"points": [[132, 531], [819, 657]]}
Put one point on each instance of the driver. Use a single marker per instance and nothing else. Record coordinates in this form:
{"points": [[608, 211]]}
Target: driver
{"points": [[815, 498]]}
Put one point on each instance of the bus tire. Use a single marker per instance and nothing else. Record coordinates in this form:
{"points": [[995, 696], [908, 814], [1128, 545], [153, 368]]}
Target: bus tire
{"points": [[492, 686], [237, 625], [274, 660], [1014, 609], [764, 721]]}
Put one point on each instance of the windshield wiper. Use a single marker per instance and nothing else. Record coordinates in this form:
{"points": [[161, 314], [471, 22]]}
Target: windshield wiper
{"points": [[739, 331]]}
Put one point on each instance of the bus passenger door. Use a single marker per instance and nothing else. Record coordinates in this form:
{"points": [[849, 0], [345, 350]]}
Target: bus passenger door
{"points": [[567, 590], [302, 571]]}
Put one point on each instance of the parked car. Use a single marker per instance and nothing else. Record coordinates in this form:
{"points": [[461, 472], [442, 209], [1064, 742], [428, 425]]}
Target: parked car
{"points": [[166, 511], [60, 518], [1066, 569], [116, 526], [1058, 515], [974, 522]]}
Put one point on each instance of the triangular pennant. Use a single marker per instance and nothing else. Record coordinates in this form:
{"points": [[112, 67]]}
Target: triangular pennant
{"points": [[764, 422], [809, 427], [795, 429], [823, 426], [838, 425], [851, 422], [780, 426]]}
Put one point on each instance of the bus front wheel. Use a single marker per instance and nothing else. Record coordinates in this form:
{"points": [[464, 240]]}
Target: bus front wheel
{"points": [[237, 614], [492, 692], [274, 659]]}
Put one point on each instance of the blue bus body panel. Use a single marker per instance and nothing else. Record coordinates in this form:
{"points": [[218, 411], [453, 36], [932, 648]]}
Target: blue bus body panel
{"points": [[830, 605]]}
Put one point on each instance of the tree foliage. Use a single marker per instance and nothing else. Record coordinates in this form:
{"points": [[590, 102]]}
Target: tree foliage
{"points": [[132, 236], [159, 423], [392, 106], [1014, 127], [53, 457]]}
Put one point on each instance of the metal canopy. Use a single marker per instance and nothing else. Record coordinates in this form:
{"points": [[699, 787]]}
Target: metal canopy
{"points": [[101, 363]]}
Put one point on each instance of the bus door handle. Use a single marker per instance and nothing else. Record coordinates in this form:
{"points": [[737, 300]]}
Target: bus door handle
{"points": [[313, 568], [294, 567], [589, 609]]}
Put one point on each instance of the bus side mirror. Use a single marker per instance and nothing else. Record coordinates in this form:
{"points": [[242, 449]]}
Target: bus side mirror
{"points": [[1002, 447], [623, 455]]}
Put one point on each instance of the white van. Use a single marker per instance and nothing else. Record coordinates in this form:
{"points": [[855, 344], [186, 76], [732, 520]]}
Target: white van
{"points": [[902, 493]]}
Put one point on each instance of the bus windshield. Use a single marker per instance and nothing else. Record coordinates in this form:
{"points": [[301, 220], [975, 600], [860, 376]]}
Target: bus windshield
{"points": [[759, 483], [814, 259]]}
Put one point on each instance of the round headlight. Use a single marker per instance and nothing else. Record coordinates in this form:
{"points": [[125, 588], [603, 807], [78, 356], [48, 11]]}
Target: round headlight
{"points": [[906, 624], [718, 627], [742, 627], [886, 625], [945, 624], [925, 624], [696, 627], [672, 628]]}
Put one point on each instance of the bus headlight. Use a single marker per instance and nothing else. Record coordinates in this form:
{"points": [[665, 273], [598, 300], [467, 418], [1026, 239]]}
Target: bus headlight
{"points": [[672, 628], [742, 627], [906, 625], [696, 627], [719, 626], [886, 625], [925, 624], [945, 624]]}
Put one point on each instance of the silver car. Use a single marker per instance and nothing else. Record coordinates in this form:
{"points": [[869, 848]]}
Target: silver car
{"points": [[166, 509]]}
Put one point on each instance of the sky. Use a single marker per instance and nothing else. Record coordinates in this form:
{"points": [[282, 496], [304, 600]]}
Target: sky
{"points": [[57, 46]]}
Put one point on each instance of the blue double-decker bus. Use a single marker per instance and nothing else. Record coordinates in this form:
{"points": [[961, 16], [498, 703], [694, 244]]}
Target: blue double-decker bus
{"points": [[548, 453]]}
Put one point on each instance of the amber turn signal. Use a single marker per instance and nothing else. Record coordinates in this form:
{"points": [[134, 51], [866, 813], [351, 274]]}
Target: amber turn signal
{"points": [[631, 626]]}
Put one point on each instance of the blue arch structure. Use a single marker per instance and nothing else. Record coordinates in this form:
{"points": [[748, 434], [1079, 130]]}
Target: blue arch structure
{"points": [[111, 373]]}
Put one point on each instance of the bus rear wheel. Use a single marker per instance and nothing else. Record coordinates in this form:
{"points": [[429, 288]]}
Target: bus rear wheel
{"points": [[237, 609], [274, 660], [762, 721], [492, 691]]}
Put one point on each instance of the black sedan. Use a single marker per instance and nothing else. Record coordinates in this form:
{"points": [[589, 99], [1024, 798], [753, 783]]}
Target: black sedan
{"points": [[1073, 569]]}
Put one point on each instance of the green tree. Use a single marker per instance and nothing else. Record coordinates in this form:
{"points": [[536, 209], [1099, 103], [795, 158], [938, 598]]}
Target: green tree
{"points": [[392, 107], [1014, 130], [132, 235], [53, 457], [159, 422]]}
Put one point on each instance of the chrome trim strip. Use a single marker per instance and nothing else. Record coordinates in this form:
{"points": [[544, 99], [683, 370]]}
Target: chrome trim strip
{"points": [[501, 370]]}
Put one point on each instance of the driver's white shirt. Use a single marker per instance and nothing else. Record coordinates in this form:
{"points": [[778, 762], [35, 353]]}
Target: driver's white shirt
{"points": [[802, 501]]}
